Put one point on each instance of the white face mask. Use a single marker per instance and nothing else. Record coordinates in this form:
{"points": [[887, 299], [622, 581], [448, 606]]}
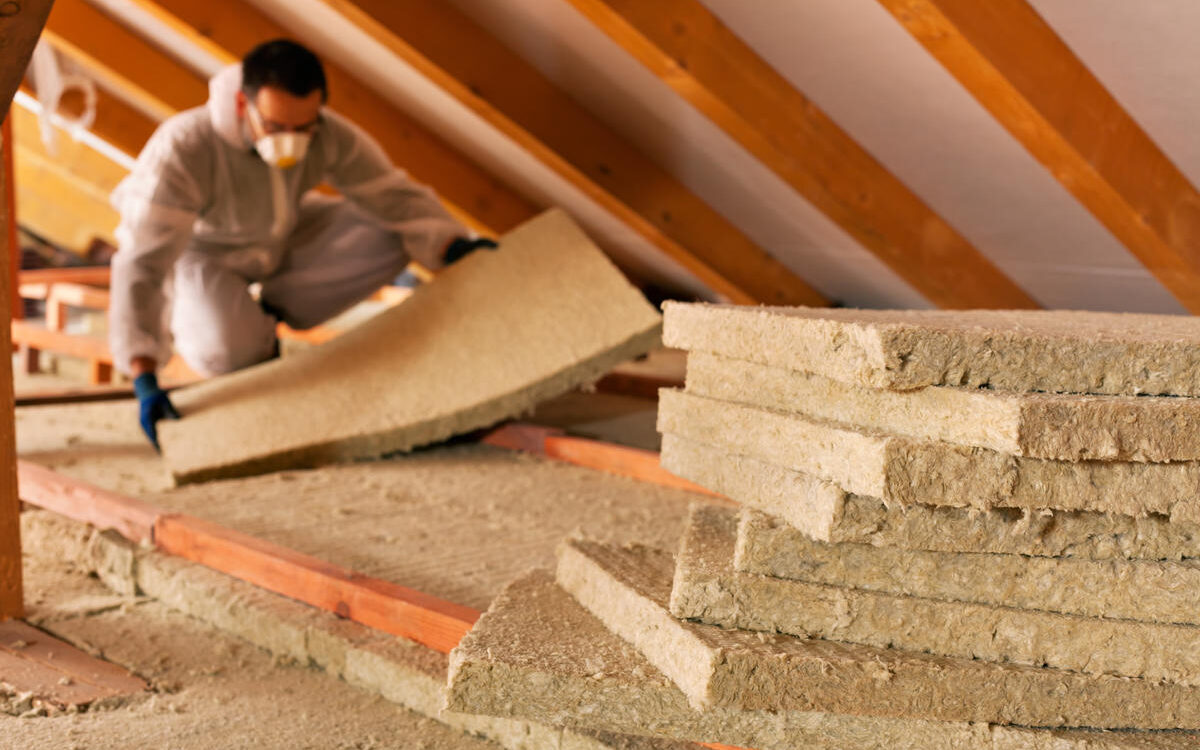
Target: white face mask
{"points": [[283, 150]]}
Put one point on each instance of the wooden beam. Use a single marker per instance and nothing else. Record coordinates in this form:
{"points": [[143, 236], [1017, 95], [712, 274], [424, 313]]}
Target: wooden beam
{"points": [[233, 28], [689, 48], [379, 604], [131, 518], [120, 124], [457, 54], [552, 443], [90, 275], [59, 206], [121, 61], [1014, 64], [74, 395], [95, 170], [21, 24]]}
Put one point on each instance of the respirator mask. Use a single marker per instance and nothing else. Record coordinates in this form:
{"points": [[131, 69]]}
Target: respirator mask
{"points": [[283, 150]]}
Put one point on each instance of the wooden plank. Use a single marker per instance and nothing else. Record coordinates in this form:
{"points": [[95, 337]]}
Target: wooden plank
{"points": [[56, 672], [689, 48], [373, 602], [130, 67], [457, 54], [84, 347], [89, 275], [131, 518], [11, 590], [73, 395], [1014, 64], [553, 443], [233, 28], [78, 295]]}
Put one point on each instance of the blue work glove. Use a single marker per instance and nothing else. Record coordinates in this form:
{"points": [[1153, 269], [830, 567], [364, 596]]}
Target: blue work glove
{"points": [[462, 247], [153, 405]]}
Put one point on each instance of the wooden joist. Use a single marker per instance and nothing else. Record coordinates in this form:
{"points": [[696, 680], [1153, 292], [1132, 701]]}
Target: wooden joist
{"points": [[689, 48], [467, 62], [130, 517], [90, 275], [128, 66], [555, 444], [376, 603], [1019, 69], [385, 606]]}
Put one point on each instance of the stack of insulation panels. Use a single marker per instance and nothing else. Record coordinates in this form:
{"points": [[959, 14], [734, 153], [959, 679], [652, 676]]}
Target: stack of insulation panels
{"points": [[956, 530]]}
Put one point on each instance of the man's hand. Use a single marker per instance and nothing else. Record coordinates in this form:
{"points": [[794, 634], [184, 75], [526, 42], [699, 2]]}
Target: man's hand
{"points": [[153, 405], [462, 247]]}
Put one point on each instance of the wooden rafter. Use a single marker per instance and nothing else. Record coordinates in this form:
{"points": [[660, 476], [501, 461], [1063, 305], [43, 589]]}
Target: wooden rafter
{"points": [[98, 171], [122, 61], [233, 28], [20, 25], [467, 62], [117, 123], [689, 48], [1014, 64], [58, 205]]}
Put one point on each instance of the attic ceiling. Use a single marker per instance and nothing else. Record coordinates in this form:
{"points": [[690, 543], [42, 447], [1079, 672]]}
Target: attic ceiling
{"points": [[858, 65]]}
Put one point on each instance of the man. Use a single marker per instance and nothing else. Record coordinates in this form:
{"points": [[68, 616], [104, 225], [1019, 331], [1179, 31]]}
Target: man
{"points": [[219, 200]]}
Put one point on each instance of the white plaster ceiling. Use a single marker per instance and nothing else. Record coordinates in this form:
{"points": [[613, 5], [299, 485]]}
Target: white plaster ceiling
{"points": [[859, 65]]}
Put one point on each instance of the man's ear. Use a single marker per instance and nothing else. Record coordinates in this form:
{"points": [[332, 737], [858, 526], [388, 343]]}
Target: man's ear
{"points": [[240, 98]]}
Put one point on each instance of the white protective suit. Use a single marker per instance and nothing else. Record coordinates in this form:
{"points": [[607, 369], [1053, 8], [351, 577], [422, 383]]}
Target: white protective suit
{"points": [[204, 217]]}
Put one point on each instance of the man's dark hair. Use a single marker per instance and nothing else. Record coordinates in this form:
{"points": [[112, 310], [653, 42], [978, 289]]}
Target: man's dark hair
{"points": [[283, 64]]}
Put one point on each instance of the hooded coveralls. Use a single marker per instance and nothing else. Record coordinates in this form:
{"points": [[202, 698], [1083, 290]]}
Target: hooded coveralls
{"points": [[203, 218]]}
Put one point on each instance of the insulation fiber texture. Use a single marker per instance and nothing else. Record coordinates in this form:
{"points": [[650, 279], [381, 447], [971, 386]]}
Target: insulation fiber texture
{"points": [[1066, 427], [825, 512], [494, 335], [709, 589], [904, 470], [768, 672], [1144, 590], [1013, 350], [537, 654]]}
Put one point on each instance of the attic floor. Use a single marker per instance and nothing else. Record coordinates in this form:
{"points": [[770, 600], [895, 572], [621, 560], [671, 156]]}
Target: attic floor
{"points": [[208, 689], [457, 522]]}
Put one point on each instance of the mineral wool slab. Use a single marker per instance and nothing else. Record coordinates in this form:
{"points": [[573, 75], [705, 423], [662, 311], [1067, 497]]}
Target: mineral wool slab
{"points": [[537, 654], [1065, 427], [902, 470], [1014, 350], [628, 589], [825, 512], [709, 589], [494, 335], [1144, 590]]}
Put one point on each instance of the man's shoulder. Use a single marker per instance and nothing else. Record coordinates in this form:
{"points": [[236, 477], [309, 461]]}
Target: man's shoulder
{"points": [[189, 131]]}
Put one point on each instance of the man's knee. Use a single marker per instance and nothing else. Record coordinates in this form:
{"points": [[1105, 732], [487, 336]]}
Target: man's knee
{"points": [[212, 355]]}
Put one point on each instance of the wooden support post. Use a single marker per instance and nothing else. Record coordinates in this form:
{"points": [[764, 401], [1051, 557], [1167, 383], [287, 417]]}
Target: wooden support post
{"points": [[20, 24], [11, 594], [14, 243]]}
